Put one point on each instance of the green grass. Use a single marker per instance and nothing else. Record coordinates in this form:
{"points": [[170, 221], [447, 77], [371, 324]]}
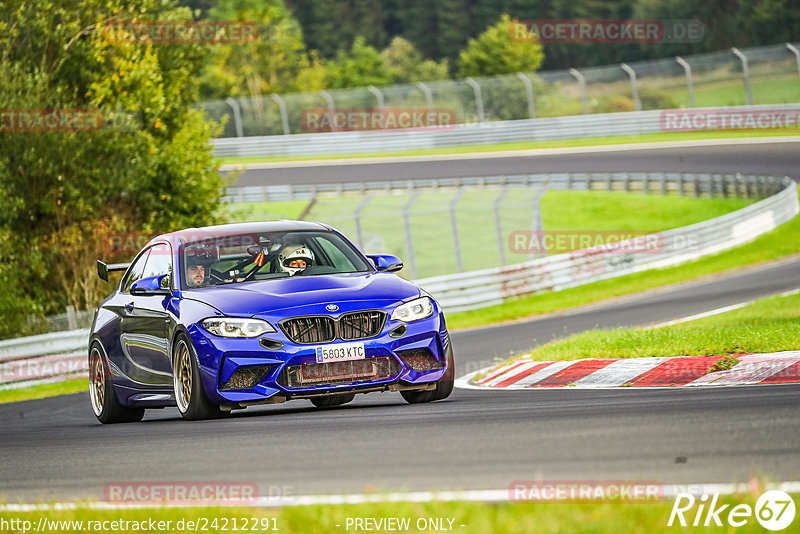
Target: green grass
{"points": [[44, 390], [382, 223], [768, 325], [527, 145], [477, 518], [264, 211], [783, 89], [776, 244]]}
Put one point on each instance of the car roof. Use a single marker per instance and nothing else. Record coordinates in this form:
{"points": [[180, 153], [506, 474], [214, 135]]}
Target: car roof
{"points": [[193, 234]]}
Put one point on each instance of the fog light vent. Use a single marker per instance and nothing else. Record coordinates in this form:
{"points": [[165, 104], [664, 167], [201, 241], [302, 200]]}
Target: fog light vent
{"points": [[246, 377], [420, 360], [400, 331], [271, 344]]}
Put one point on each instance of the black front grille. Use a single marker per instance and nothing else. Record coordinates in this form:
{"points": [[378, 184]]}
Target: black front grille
{"points": [[318, 329], [323, 329], [361, 325]]}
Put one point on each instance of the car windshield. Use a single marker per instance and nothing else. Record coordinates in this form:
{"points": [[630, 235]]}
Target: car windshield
{"points": [[262, 256]]}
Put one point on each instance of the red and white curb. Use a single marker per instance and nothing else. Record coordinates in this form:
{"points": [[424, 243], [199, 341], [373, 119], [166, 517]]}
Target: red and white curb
{"points": [[525, 373]]}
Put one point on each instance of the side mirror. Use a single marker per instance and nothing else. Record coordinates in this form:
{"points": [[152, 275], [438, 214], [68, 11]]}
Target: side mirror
{"points": [[150, 286], [386, 262]]}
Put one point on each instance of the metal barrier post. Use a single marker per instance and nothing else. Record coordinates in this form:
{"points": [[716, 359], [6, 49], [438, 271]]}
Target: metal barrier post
{"points": [[357, 216], [632, 74], [538, 223], [745, 73], [454, 228], [793, 49], [478, 97], [412, 264], [284, 116], [72, 319], [582, 82], [529, 94], [498, 224], [689, 82], [237, 116], [331, 107], [378, 96], [428, 95]]}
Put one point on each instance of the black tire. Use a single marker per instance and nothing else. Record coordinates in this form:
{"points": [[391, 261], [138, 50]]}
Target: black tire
{"points": [[193, 404], [103, 398], [332, 400], [444, 387]]}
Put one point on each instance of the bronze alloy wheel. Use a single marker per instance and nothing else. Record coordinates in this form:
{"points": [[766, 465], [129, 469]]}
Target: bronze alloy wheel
{"points": [[97, 381], [105, 404], [193, 404], [182, 377]]}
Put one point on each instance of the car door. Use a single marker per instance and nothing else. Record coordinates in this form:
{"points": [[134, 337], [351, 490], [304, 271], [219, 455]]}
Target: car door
{"points": [[146, 323]]}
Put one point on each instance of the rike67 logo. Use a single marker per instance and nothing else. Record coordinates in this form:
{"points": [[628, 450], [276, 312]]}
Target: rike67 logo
{"points": [[774, 510]]}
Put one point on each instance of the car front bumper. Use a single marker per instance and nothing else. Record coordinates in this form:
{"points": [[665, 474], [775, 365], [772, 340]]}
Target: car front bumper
{"points": [[396, 363]]}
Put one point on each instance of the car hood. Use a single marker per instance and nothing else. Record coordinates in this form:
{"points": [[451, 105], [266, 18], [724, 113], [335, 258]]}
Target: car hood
{"points": [[252, 298]]}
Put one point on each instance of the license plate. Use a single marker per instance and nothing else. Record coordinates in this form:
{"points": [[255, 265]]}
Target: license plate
{"points": [[341, 352]]}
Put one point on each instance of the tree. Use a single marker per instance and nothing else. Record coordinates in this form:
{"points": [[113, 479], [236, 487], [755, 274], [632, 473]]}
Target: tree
{"points": [[146, 168], [362, 66], [271, 64], [496, 52], [407, 65]]}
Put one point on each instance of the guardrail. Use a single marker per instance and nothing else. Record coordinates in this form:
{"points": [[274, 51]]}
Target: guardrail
{"points": [[55, 356], [44, 358], [691, 184], [578, 126], [487, 287]]}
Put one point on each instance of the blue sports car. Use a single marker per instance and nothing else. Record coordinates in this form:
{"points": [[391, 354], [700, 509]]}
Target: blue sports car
{"points": [[224, 317]]}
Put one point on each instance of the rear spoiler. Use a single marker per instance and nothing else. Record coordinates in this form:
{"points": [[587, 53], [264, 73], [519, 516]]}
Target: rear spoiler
{"points": [[103, 269]]}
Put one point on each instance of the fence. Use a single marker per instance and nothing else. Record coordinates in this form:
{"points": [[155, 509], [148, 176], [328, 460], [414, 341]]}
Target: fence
{"points": [[55, 356], [762, 75], [447, 225], [70, 320], [478, 289], [509, 131]]}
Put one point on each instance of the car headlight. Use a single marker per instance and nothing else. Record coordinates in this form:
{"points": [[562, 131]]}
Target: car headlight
{"points": [[413, 311], [236, 326]]}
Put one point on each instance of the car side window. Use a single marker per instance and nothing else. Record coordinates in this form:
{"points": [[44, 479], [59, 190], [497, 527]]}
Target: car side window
{"points": [[159, 262], [135, 271], [340, 261]]}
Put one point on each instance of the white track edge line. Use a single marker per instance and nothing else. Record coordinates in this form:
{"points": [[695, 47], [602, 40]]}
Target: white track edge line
{"points": [[493, 495]]}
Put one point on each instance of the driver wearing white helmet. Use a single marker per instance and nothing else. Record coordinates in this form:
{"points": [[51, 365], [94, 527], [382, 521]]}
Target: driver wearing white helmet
{"points": [[294, 259]]}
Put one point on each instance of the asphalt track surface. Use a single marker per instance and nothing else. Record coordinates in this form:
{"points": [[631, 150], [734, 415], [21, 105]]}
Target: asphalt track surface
{"points": [[55, 448], [763, 157]]}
